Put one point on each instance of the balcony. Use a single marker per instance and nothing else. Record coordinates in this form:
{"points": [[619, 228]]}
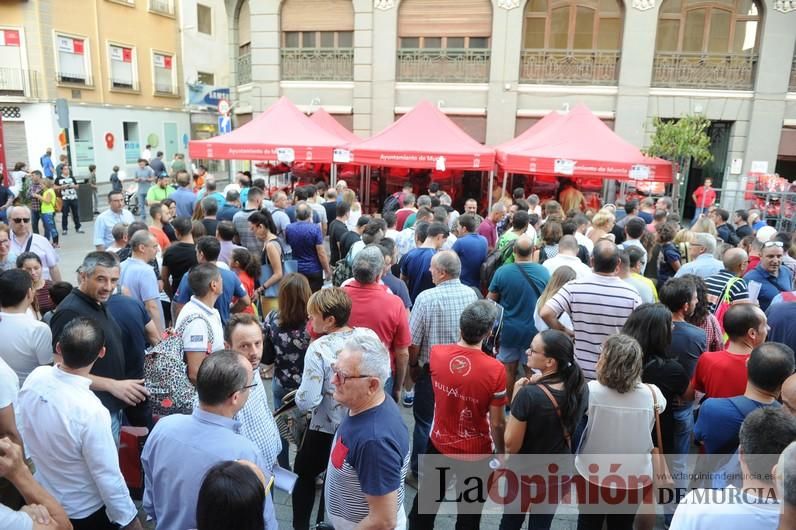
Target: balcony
{"points": [[162, 7], [704, 70], [165, 89], [124, 85], [317, 64], [438, 65], [73, 79], [244, 68], [18, 82], [792, 85], [569, 67]]}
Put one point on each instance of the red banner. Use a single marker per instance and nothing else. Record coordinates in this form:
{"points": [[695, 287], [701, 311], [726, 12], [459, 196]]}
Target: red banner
{"points": [[77, 45], [167, 62], [10, 37], [3, 169], [127, 55]]}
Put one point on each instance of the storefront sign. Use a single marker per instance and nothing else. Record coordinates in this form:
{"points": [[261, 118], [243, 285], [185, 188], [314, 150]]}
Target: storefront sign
{"points": [[206, 95]]}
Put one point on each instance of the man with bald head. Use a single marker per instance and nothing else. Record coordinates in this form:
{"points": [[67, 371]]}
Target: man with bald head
{"points": [[517, 287], [598, 304], [729, 281], [24, 240]]}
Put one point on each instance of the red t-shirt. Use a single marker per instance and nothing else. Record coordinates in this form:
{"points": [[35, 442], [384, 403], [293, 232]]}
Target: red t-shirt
{"points": [[753, 262], [374, 308], [705, 197], [401, 216], [721, 374], [466, 383], [248, 286], [160, 236]]}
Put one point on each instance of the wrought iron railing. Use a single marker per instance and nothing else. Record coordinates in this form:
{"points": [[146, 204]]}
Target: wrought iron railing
{"points": [[165, 7], [569, 67], [704, 70], [74, 78], [317, 64], [444, 65], [244, 68], [117, 84], [19, 82], [792, 85]]}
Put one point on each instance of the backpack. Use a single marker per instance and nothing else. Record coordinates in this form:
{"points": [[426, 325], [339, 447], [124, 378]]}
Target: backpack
{"points": [[493, 261], [391, 203], [166, 372], [342, 270]]}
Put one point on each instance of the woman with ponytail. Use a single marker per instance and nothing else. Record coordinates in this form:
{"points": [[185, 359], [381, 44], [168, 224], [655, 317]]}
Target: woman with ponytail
{"points": [[545, 410]]}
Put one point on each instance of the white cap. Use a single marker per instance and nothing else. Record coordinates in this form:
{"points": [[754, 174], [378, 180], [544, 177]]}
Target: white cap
{"points": [[766, 233]]}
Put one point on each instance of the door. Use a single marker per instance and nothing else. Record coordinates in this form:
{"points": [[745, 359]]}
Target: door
{"points": [[83, 141], [170, 134], [719, 132]]}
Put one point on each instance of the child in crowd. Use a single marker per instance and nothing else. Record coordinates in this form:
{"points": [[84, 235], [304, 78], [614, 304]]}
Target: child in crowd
{"points": [[48, 200], [247, 266]]}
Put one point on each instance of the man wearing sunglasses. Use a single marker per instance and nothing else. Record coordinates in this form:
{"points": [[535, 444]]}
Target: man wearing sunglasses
{"points": [[770, 274], [23, 240]]}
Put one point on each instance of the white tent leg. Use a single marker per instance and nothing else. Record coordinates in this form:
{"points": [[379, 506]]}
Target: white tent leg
{"points": [[489, 191], [333, 177]]}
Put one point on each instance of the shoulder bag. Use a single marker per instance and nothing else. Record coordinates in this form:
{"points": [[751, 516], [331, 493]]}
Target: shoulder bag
{"points": [[529, 280], [567, 436], [662, 477], [266, 271], [166, 371]]}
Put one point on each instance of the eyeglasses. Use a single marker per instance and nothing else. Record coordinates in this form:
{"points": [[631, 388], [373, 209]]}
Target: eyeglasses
{"points": [[21, 220], [767, 244], [343, 377], [247, 387]]}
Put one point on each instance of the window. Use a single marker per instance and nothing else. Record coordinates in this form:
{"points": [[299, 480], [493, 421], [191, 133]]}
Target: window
{"points": [[206, 78], [123, 71], [317, 39], [163, 7], [164, 73], [72, 60], [204, 19], [573, 25], [13, 74], [132, 145]]}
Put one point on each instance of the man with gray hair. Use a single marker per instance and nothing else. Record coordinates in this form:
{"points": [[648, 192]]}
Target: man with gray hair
{"points": [[488, 227], [364, 484], [119, 233], [23, 240], [182, 447], [434, 320], [728, 281], [138, 279], [701, 259], [376, 308]]}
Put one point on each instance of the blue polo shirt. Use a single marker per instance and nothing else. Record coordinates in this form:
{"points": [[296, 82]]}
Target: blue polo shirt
{"points": [[472, 250], [184, 199], [771, 285], [232, 288], [303, 237]]}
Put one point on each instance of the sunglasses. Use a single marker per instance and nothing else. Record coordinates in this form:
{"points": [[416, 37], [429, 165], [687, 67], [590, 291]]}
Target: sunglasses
{"points": [[21, 219], [773, 244]]}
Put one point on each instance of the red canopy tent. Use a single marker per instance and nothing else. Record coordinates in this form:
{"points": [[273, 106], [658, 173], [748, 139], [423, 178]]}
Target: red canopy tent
{"points": [[281, 126], [424, 138], [579, 144], [329, 124]]}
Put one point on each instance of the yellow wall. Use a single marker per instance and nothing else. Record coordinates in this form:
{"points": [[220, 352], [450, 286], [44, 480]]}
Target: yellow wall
{"points": [[104, 21], [11, 14]]}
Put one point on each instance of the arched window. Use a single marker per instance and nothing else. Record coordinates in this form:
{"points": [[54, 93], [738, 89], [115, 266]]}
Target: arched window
{"points": [[706, 44], [571, 41], [444, 41], [317, 40], [243, 66]]}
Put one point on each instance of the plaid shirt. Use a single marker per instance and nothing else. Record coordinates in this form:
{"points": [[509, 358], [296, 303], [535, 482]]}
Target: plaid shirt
{"points": [[435, 315], [35, 204], [258, 425]]}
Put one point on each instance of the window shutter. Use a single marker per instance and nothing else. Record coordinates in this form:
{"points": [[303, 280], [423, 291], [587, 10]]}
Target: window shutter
{"points": [[445, 18], [317, 15]]}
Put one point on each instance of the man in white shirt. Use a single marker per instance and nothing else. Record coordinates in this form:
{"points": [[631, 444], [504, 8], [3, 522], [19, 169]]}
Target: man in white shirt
{"points": [[205, 333], [67, 433], [25, 343], [104, 223], [765, 433], [568, 255], [23, 240], [580, 234], [634, 229]]}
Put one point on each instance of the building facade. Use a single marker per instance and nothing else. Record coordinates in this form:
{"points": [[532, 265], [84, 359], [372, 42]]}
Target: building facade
{"points": [[118, 65], [497, 66]]}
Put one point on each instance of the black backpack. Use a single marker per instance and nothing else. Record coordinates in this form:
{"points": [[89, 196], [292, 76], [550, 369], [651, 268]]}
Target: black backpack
{"points": [[391, 204], [493, 261]]}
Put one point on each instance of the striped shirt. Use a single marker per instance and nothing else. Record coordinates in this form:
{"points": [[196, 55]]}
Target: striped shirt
{"points": [[718, 283], [435, 315], [599, 306]]}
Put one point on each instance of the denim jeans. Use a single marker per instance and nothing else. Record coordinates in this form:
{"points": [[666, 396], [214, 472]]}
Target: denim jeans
{"points": [[50, 232], [683, 429], [697, 212], [423, 411], [142, 207], [283, 458], [35, 216]]}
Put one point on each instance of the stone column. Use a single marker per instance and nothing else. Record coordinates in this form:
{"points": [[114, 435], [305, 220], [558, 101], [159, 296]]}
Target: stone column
{"points": [[504, 71], [363, 67], [264, 52], [385, 44]]}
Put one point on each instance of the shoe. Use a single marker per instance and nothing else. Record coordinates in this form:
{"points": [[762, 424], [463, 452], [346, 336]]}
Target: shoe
{"points": [[409, 398], [411, 480], [80, 231], [64, 232]]}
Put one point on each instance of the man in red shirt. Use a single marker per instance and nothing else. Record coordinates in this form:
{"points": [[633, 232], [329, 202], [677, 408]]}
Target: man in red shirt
{"points": [[469, 400], [704, 197], [407, 209], [376, 308], [722, 374]]}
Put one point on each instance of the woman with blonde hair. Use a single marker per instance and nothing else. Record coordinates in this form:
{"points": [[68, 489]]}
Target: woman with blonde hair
{"points": [[618, 403], [601, 225], [682, 240], [561, 276], [705, 225], [350, 198]]}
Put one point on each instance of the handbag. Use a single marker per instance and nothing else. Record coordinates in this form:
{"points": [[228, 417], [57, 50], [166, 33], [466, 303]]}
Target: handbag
{"points": [[266, 271], [661, 476], [166, 371]]}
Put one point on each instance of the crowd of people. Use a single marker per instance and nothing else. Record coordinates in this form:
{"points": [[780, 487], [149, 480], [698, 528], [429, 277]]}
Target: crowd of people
{"points": [[525, 328]]}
